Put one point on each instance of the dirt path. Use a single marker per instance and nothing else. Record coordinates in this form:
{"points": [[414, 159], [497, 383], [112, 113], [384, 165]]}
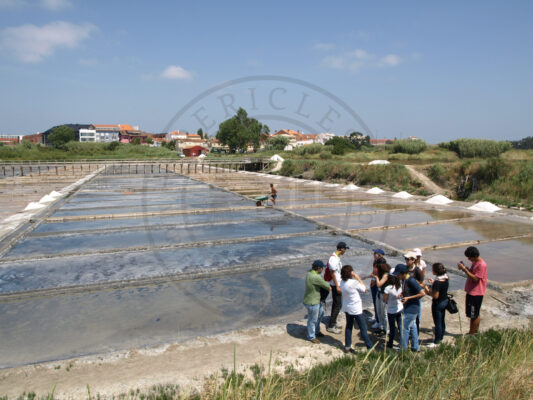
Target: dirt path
{"points": [[428, 183], [190, 364]]}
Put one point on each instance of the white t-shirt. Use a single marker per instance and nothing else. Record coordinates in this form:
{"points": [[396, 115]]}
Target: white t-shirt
{"points": [[335, 265], [351, 300], [394, 304], [422, 265]]}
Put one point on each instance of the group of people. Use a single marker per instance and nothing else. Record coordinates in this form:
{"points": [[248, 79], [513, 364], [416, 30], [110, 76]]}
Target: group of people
{"points": [[396, 295]]}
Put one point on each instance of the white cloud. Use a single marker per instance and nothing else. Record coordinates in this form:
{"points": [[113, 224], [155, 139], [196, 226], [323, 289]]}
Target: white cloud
{"points": [[55, 4], [30, 43], [176, 72], [390, 60], [359, 59], [324, 46]]}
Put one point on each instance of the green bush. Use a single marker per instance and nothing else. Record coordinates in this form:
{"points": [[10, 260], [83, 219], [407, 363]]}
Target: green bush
{"points": [[310, 149], [436, 173], [481, 148], [338, 149], [408, 146]]}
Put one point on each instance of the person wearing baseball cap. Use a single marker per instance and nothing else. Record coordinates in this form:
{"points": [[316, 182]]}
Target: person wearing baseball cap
{"points": [[315, 309], [335, 265], [417, 273]]}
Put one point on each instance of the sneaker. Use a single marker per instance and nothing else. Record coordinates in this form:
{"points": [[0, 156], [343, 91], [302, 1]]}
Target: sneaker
{"points": [[319, 334], [349, 350], [375, 325], [431, 345], [372, 321], [315, 340], [333, 329]]}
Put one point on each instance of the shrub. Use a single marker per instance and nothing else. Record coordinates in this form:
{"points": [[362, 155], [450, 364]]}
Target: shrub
{"points": [[436, 173], [310, 149], [482, 148], [338, 149], [278, 142], [113, 146], [409, 146]]}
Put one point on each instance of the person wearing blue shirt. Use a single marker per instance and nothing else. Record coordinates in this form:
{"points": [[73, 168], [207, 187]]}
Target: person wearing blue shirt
{"points": [[412, 292]]}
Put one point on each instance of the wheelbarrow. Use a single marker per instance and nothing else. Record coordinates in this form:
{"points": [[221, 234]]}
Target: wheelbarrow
{"points": [[260, 199]]}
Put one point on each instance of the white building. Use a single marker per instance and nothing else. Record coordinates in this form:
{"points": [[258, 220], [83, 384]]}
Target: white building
{"points": [[88, 135]]}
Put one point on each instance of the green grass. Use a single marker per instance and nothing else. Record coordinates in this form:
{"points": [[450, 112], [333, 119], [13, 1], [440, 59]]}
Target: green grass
{"points": [[393, 176], [83, 151], [496, 364]]}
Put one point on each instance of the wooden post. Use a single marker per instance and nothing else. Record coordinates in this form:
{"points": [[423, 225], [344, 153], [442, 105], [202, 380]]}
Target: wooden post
{"points": [[181, 168]]}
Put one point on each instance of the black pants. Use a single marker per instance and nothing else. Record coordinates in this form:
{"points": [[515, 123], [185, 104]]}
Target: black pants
{"points": [[335, 306]]}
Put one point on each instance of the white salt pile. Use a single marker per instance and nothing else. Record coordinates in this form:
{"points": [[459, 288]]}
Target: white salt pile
{"points": [[402, 195], [484, 206], [375, 190], [313, 183], [47, 199], [34, 206], [275, 157], [439, 199], [379, 162], [16, 217], [332, 185], [53, 193], [351, 186]]}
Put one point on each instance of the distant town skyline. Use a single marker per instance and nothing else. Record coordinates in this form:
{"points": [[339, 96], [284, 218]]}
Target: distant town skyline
{"points": [[437, 71]]}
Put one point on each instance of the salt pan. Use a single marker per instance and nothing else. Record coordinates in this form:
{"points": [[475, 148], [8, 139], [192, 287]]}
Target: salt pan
{"points": [[439, 199], [403, 195]]}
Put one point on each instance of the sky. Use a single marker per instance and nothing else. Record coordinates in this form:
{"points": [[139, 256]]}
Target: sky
{"points": [[435, 70]]}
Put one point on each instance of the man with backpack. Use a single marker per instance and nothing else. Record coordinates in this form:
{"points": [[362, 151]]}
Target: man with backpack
{"points": [[334, 268]]}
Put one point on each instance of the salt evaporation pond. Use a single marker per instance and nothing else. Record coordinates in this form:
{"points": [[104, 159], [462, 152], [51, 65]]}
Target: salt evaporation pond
{"points": [[70, 288]]}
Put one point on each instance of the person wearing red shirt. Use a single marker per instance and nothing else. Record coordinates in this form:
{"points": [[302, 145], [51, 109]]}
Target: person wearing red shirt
{"points": [[475, 286]]}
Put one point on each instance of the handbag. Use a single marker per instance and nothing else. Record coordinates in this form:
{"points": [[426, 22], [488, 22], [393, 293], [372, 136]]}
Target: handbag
{"points": [[327, 273], [452, 305]]}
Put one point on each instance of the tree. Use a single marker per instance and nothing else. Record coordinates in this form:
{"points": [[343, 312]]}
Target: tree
{"points": [[136, 141], [340, 142], [359, 140], [171, 145], [149, 140], [61, 135], [240, 131], [278, 142], [200, 132]]}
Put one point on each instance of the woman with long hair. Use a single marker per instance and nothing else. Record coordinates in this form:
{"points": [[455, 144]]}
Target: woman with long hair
{"points": [[381, 277], [392, 297], [439, 294], [352, 306]]}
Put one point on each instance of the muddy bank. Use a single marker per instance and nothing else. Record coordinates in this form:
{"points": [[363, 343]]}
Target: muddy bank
{"points": [[190, 364]]}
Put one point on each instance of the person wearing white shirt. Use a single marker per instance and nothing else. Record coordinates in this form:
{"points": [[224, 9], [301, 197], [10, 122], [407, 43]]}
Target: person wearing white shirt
{"points": [[351, 284], [335, 265], [392, 297]]}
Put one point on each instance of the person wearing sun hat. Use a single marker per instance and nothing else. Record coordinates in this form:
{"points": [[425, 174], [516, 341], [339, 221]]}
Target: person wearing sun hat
{"points": [[419, 262], [417, 273], [411, 293]]}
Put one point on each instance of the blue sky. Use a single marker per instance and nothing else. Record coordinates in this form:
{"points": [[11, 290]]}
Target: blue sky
{"points": [[436, 70]]}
